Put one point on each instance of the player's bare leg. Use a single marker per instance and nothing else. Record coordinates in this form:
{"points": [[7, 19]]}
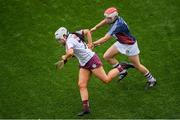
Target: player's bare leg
{"points": [[136, 62], [109, 56], [84, 76], [106, 78]]}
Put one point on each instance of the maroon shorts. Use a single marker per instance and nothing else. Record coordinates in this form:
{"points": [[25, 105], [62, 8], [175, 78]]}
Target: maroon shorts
{"points": [[93, 63]]}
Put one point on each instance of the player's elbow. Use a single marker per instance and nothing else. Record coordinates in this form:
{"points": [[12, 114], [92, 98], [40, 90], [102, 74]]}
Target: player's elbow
{"points": [[107, 37], [71, 52]]}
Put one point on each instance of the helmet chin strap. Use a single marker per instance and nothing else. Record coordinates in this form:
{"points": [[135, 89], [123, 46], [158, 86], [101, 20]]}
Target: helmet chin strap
{"points": [[113, 21], [67, 33], [65, 37], [116, 17]]}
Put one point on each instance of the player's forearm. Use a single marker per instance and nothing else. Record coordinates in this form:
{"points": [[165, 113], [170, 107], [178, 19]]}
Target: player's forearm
{"points": [[100, 41], [88, 34], [103, 22], [68, 54]]}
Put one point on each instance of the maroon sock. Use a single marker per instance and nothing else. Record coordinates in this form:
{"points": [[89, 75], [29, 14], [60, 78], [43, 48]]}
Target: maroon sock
{"points": [[85, 105]]}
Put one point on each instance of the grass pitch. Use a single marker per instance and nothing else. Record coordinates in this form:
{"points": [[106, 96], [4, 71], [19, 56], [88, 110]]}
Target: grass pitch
{"points": [[31, 87]]}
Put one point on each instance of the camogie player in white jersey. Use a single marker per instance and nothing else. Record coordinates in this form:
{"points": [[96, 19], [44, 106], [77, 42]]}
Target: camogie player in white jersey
{"points": [[88, 60]]}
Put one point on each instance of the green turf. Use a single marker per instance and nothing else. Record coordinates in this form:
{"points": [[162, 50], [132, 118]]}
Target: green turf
{"points": [[30, 86]]}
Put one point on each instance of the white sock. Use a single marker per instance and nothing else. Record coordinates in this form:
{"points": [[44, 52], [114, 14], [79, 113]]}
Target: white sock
{"points": [[123, 71], [149, 77], [115, 65]]}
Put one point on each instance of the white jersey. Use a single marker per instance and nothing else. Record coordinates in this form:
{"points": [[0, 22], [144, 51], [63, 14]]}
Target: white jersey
{"points": [[80, 48]]}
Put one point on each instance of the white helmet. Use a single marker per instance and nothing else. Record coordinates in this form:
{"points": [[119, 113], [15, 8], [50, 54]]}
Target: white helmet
{"points": [[61, 32], [112, 13]]}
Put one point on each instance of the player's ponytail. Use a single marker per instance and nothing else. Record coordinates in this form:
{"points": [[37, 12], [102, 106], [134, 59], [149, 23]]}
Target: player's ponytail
{"points": [[81, 37]]}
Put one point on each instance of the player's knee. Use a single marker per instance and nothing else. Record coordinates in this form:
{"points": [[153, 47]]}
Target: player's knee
{"points": [[106, 80], [82, 85], [106, 57]]}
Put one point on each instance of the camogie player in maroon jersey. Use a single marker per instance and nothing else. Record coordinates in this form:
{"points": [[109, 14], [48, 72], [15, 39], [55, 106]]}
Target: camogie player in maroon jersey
{"points": [[88, 60]]}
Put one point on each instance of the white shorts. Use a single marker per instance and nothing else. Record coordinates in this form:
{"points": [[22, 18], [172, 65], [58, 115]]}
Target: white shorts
{"points": [[129, 50]]}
